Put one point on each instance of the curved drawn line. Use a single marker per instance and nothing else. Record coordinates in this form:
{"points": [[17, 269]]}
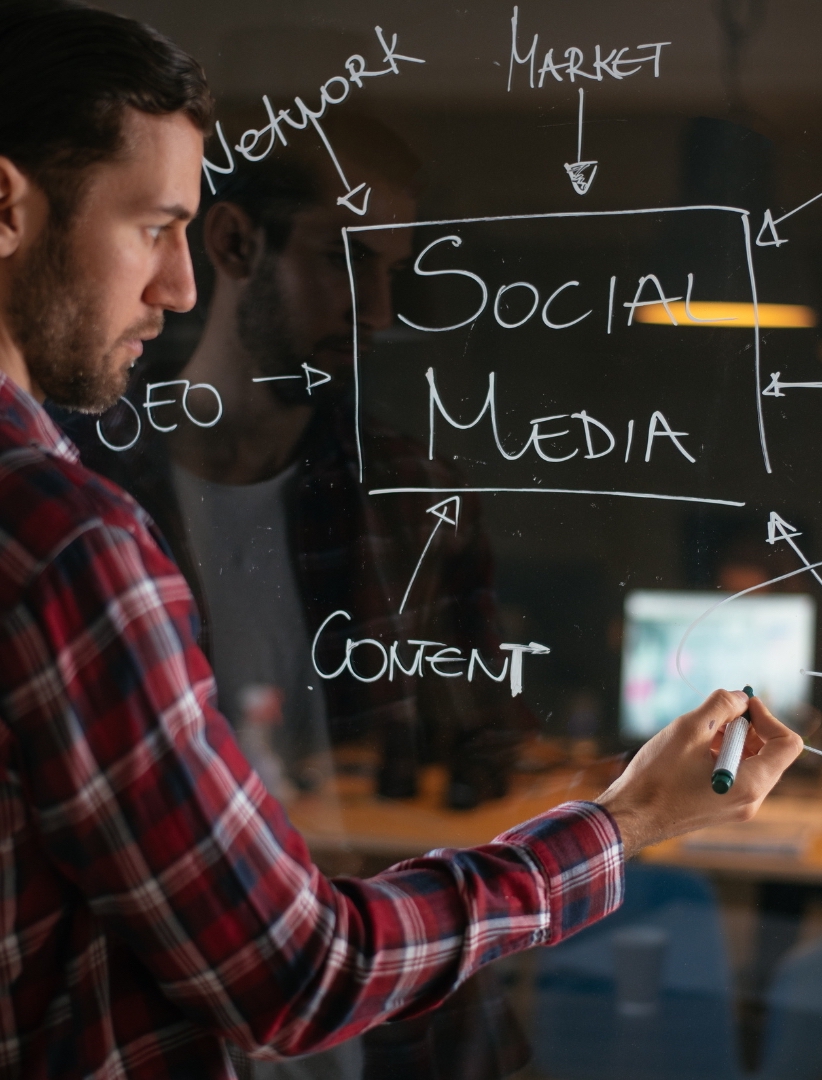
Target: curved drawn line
{"points": [[727, 600]]}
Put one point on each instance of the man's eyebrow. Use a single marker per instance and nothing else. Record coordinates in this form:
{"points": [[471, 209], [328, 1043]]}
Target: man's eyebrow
{"points": [[178, 211]]}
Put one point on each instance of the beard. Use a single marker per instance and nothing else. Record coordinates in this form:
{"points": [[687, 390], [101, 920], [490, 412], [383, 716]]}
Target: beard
{"points": [[262, 326], [56, 319]]}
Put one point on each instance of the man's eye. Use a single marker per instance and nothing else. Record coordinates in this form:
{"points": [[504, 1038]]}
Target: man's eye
{"points": [[155, 231]]}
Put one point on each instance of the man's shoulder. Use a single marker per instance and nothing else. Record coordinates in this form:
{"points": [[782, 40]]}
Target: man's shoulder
{"points": [[46, 501]]}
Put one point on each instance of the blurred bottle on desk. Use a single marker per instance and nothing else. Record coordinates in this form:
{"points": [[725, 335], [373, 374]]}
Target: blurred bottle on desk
{"points": [[584, 714]]}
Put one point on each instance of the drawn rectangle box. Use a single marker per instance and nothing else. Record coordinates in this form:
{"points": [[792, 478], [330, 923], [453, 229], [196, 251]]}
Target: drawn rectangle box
{"points": [[445, 225]]}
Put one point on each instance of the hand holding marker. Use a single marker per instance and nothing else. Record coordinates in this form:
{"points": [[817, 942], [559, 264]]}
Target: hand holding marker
{"points": [[730, 753]]}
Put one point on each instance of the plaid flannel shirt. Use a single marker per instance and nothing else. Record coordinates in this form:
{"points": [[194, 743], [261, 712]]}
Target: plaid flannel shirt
{"points": [[155, 899]]}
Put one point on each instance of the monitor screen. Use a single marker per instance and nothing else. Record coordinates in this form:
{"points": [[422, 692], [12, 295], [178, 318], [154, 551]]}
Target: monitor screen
{"points": [[765, 641]]}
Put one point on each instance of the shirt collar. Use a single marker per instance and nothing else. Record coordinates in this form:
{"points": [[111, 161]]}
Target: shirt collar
{"points": [[19, 410]]}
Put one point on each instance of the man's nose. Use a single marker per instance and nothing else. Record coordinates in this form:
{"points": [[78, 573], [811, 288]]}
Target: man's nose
{"points": [[172, 286], [375, 307]]}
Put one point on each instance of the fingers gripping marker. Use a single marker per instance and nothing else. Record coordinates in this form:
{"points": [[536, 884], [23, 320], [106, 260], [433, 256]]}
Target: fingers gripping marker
{"points": [[730, 754]]}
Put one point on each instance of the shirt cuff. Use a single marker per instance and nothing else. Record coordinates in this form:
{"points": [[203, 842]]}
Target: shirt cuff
{"points": [[578, 850]]}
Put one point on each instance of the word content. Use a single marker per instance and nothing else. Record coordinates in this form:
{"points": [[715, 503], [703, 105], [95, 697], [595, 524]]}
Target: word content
{"points": [[448, 662]]}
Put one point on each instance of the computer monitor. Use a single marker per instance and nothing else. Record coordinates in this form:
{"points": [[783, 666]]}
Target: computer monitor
{"points": [[762, 640]]}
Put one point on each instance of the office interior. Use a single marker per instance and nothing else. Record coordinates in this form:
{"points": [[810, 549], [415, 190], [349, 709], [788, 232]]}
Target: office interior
{"points": [[714, 965]]}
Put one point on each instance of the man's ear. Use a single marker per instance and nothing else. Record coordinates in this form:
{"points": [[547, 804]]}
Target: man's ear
{"points": [[232, 241], [20, 203]]}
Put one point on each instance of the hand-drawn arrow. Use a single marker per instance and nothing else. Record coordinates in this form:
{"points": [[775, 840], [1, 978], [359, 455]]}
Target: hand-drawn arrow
{"points": [[769, 223], [517, 652], [779, 529], [785, 531], [776, 386], [310, 383], [347, 199], [441, 512], [581, 173]]}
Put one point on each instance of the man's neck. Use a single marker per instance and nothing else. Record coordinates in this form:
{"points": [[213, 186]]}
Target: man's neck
{"points": [[13, 364], [257, 433]]}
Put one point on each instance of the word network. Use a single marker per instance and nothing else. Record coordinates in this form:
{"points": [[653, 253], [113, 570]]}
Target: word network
{"points": [[257, 143]]}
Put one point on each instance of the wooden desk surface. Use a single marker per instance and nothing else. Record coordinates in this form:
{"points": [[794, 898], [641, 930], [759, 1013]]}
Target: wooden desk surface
{"points": [[784, 842], [354, 819]]}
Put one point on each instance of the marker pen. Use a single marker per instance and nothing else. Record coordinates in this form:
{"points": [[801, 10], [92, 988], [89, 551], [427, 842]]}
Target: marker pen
{"points": [[730, 753]]}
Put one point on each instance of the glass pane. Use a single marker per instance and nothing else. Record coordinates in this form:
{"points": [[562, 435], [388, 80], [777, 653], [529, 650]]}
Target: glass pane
{"points": [[502, 386]]}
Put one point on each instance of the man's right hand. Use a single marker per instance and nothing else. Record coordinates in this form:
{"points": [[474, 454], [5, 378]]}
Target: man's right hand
{"points": [[666, 789]]}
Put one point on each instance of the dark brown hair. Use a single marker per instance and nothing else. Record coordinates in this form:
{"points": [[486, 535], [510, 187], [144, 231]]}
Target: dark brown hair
{"points": [[67, 74]]}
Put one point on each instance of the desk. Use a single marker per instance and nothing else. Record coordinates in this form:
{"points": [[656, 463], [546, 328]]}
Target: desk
{"points": [[348, 818], [741, 852], [351, 818]]}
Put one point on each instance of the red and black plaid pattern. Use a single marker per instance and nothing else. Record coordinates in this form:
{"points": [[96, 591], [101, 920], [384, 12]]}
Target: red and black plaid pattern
{"points": [[155, 899]]}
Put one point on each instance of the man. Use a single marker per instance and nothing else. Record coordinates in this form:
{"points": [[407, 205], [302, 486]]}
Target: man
{"points": [[156, 900]]}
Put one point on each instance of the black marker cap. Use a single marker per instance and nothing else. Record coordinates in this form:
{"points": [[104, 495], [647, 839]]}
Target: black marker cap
{"points": [[722, 781], [750, 692]]}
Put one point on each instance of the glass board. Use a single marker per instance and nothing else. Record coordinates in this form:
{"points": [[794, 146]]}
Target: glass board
{"points": [[505, 312]]}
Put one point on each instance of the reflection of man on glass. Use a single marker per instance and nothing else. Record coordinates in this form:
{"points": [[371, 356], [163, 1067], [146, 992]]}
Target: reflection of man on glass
{"points": [[266, 511], [277, 530]]}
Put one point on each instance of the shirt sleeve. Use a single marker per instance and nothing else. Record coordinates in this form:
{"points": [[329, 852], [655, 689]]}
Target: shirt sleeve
{"points": [[146, 804]]}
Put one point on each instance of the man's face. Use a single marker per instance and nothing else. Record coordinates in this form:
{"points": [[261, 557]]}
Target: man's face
{"points": [[297, 307], [86, 296]]}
